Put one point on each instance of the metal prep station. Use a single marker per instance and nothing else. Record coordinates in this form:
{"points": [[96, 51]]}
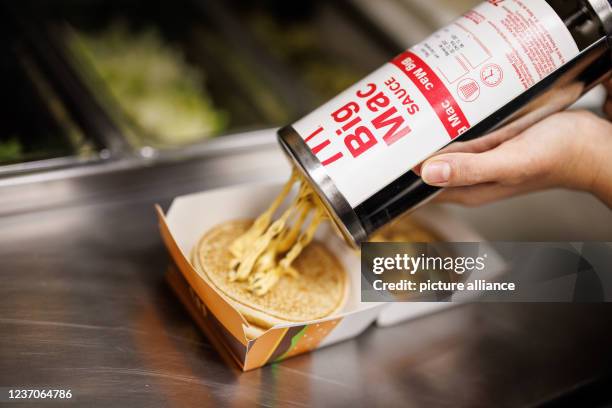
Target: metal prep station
{"points": [[83, 302]]}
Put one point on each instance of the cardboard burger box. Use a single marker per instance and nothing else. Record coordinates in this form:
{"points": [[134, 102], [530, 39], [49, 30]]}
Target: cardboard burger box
{"points": [[192, 215]]}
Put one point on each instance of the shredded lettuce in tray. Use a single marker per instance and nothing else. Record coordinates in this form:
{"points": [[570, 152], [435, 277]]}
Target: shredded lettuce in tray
{"points": [[299, 45], [10, 150], [159, 93]]}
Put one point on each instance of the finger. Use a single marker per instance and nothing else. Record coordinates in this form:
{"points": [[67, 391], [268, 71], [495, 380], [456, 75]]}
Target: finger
{"points": [[472, 146], [456, 147], [478, 145], [464, 169]]}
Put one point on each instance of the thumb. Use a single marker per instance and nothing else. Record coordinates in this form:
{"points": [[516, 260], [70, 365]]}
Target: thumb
{"points": [[465, 169]]}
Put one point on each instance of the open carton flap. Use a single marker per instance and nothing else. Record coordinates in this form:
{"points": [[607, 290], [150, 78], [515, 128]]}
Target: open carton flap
{"points": [[444, 225], [222, 309], [453, 229]]}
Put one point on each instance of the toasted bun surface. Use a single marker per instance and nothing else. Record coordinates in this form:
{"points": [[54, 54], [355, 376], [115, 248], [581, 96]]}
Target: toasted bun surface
{"points": [[319, 291]]}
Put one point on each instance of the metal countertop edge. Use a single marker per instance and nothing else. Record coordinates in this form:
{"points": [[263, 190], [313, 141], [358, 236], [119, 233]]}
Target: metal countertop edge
{"points": [[223, 145]]}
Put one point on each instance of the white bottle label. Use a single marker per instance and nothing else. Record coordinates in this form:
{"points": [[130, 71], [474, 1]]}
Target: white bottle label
{"points": [[399, 115]]}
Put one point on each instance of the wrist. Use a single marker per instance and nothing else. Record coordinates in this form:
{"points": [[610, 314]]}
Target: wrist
{"points": [[600, 162], [602, 182]]}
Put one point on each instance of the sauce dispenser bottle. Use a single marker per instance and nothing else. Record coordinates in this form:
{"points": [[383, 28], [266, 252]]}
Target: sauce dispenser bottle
{"points": [[504, 63]]}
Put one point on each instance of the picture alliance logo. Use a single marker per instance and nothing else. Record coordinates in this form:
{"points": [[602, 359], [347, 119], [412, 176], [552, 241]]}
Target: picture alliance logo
{"points": [[422, 262]]}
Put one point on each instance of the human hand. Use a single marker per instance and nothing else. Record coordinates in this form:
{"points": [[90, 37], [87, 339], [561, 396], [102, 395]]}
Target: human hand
{"points": [[569, 149]]}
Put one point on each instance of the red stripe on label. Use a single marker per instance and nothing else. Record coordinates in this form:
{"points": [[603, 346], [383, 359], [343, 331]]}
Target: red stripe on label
{"points": [[432, 87], [332, 159], [313, 134], [317, 148]]}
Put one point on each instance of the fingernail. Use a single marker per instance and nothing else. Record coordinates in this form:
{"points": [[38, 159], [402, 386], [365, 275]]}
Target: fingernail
{"points": [[436, 172]]}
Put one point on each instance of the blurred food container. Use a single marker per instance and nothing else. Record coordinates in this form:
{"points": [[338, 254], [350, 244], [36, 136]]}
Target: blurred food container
{"points": [[166, 75], [149, 81], [175, 74], [142, 81], [36, 124]]}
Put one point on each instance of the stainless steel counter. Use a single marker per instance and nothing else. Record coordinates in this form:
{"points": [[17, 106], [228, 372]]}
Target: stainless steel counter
{"points": [[84, 306]]}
